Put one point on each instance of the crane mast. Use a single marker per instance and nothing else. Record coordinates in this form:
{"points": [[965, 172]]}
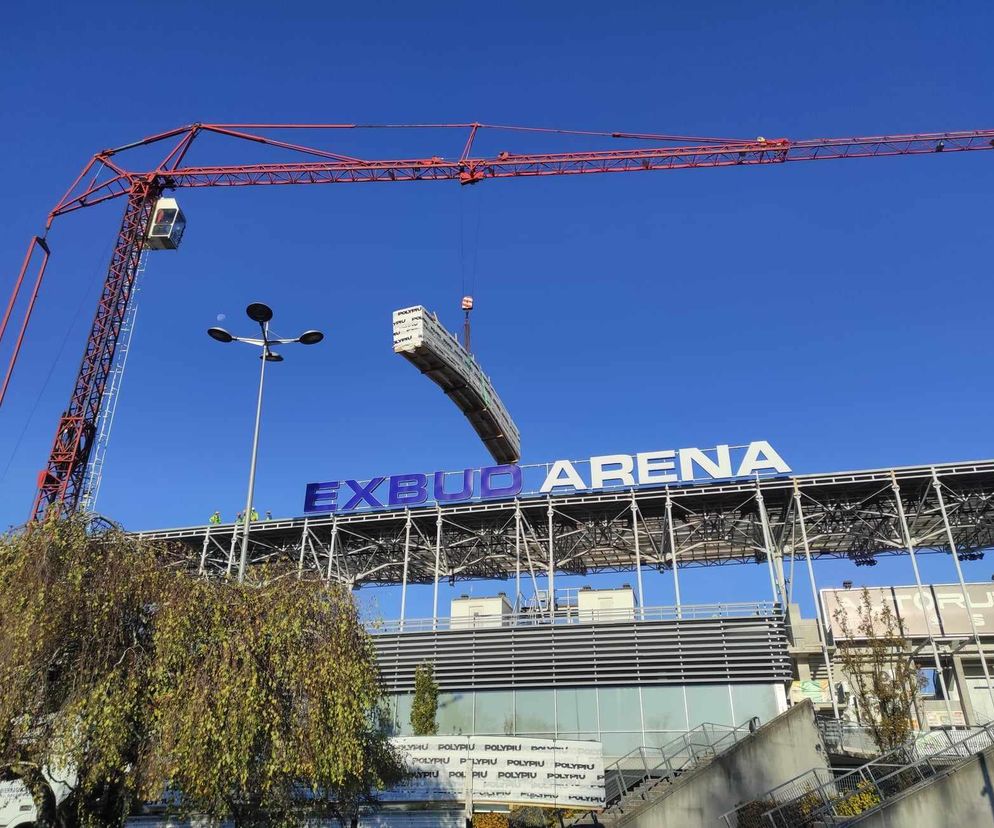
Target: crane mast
{"points": [[61, 482]]}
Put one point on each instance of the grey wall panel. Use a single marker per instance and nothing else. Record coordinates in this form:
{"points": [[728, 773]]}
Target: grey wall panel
{"points": [[600, 654]]}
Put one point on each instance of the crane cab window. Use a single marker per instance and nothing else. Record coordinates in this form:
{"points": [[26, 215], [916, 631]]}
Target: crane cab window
{"points": [[166, 228]]}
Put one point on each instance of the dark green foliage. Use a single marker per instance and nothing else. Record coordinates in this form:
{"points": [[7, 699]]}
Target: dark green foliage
{"points": [[424, 706]]}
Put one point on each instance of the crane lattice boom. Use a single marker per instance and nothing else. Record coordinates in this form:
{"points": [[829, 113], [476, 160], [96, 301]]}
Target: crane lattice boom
{"points": [[105, 177]]}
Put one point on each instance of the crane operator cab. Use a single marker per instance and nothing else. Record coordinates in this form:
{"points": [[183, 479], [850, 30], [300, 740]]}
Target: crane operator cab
{"points": [[165, 230]]}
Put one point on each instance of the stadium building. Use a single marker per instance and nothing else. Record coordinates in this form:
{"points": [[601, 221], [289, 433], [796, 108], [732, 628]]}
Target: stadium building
{"points": [[613, 665]]}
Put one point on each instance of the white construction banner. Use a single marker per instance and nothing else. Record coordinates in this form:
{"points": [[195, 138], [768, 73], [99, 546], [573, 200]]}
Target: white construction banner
{"points": [[557, 773]]}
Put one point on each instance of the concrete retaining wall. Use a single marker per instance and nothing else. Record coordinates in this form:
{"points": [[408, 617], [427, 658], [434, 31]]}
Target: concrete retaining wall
{"points": [[962, 797], [780, 750]]}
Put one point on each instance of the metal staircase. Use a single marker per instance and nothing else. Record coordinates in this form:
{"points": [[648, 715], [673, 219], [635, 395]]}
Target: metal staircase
{"points": [[823, 796], [645, 774]]}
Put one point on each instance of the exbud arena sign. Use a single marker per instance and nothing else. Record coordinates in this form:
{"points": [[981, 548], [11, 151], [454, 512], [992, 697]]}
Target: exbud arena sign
{"points": [[604, 472]]}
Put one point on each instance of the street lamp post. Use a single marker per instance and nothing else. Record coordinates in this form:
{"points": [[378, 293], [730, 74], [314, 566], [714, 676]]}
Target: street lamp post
{"points": [[262, 314]]}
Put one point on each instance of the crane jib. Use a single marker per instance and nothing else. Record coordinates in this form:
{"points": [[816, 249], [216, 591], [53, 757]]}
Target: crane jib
{"points": [[106, 177]]}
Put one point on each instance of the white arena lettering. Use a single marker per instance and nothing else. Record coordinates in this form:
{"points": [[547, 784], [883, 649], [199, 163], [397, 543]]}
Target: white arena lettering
{"points": [[650, 468]]}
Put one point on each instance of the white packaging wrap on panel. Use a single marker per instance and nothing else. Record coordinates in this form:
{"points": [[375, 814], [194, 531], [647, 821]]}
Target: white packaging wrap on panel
{"points": [[501, 769], [421, 339]]}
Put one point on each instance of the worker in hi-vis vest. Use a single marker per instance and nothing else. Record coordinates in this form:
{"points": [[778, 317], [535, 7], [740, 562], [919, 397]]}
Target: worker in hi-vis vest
{"points": [[216, 517], [253, 515]]}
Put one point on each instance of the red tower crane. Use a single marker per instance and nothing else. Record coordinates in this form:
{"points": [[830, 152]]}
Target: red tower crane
{"points": [[105, 177]]}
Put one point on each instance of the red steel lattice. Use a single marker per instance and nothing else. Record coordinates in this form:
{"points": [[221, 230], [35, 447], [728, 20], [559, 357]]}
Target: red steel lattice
{"points": [[60, 483]]}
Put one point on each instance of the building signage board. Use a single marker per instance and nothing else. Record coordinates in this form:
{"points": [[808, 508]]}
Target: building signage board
{"points": [[944, 607], [556, 773], [818, 690], [602, 473]]}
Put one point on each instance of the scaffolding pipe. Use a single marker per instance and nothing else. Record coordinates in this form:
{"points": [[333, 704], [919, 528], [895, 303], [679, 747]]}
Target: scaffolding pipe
{"points": [[673, 561], [768, 546], [438, 563], [403, 578], [910, 545], [552, 568], [638, 553], [332, 547], [303, 550], [203, 551], [231, 549], [528, 556], [517, 556], [822, 629], [962, 584]]}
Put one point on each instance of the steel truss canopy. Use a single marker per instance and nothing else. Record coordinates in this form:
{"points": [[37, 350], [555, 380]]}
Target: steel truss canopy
{"points": [[142, 171], [848, 515]]}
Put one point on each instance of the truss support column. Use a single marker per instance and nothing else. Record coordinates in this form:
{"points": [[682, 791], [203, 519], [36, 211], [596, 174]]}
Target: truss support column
{"points": [[552, 567], [638, 555], [517, 556], [333, 546], [203, 551], [673, 560], [962, 584], [776, 576], [303, 549], [403, 579], [822, 629], [438, 563], [909, 543], [231, 549]]}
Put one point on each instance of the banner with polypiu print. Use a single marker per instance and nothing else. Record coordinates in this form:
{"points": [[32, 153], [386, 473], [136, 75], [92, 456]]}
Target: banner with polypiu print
{"points": [[557, 773]]}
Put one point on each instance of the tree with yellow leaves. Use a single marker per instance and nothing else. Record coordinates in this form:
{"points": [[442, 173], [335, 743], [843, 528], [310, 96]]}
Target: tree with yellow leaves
{"points": [[256, 703]]}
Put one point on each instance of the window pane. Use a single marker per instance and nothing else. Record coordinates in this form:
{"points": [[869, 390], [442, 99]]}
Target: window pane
{"points": [[455, 714], [709, 703], [619, 708], [754, 700], [401, 709], [576, 709], [663, 738], [618, 744], [494, 712], [582, 736], [534, 711], [664, 708]]}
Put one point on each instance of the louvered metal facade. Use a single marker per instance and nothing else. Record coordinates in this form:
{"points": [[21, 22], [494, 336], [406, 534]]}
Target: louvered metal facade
{"points": [[691, 651]]}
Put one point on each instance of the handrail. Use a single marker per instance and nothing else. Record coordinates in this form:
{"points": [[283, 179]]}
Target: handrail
{"points": [[881, 778], [644, 763], [794, 788], [573, 615]]}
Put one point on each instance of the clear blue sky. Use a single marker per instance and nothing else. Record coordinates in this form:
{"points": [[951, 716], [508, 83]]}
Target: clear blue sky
{"points": [[840, 310]]}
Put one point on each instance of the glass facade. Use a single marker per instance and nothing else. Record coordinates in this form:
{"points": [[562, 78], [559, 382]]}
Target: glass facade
{"points": [[622, 718]]}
